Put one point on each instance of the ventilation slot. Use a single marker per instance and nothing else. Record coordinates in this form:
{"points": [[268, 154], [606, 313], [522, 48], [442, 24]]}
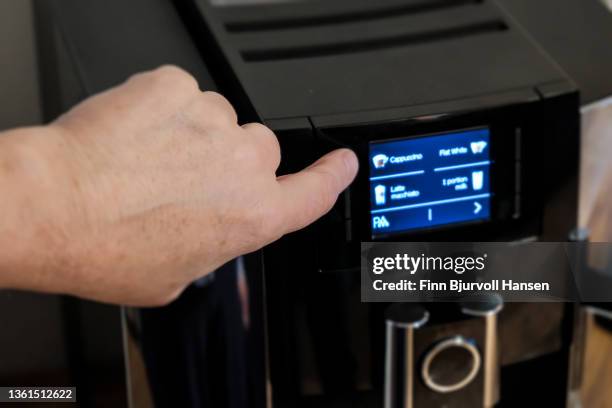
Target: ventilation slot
{"points": [[344, 18], [313, 51], [356, 16]]}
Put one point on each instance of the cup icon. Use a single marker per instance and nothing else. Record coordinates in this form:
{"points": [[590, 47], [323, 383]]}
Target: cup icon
{"points": [[478, 147], [380, 160], [477, 180], [380, 194]]}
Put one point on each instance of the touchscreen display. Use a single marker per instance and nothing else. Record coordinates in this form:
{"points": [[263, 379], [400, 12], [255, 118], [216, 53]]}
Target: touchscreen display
{"points": [[430, 181]]}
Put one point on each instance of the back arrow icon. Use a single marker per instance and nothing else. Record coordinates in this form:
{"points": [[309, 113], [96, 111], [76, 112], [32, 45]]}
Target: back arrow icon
{"points": [[477, 207]]}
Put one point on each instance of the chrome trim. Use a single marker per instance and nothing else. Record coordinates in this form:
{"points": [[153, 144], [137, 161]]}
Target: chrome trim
{"points": [[491, 357], [409, 365], [410, 325], [389, 382], [457, 341], [491, 369], [409, 362]]}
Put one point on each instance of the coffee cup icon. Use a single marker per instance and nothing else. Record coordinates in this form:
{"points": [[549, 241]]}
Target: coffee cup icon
{"points": [[478, 147], [380, 160]]}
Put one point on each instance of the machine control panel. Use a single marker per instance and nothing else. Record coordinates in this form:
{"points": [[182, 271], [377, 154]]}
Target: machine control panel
{"points": [[430, 181]]}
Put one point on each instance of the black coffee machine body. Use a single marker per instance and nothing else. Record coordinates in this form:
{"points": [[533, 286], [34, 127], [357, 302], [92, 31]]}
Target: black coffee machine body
{"points": [[394, 82], [381, 79]]}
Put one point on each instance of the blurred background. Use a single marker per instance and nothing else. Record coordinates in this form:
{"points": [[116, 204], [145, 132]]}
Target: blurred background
{"points": [[38, 333], [38, 342], [23, 351], [18, 70]]}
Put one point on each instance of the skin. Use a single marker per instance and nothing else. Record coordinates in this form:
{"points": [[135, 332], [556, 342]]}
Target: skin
{"points": [[140, 190]]}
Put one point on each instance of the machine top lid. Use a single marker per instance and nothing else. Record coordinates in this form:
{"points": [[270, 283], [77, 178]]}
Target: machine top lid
{"points": [[322, 57]]}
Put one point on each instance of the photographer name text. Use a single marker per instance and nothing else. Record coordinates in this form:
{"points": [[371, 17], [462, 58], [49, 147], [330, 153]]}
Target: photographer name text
{"points": [[459, 286]]}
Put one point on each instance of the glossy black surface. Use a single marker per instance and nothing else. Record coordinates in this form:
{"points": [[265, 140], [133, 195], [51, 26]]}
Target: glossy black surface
{"points": [[462, 50], [205, 349], [315, 342], [327, 348]]}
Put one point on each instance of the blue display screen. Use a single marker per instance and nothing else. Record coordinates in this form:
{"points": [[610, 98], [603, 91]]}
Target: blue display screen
{"points": [[430, 181]]}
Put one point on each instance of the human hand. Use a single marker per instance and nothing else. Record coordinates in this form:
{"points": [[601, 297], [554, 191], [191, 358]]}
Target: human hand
{"points": [[154, 184]]}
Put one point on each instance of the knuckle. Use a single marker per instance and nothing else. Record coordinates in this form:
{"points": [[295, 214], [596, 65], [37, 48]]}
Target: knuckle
{"points": [[219, 107], [246, 153], [259, 159], [170, 71], [258, 128], [270, 137], [267, 161], [265, 141], [173, 77], [254, 157], [216, 95]]}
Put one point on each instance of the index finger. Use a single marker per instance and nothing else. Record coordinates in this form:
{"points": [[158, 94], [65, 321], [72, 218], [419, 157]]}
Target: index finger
{"points": [[311, 193]]}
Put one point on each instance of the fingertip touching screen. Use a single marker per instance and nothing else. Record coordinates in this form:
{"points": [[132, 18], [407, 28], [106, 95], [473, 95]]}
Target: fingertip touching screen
{"points": [[430, 181]]}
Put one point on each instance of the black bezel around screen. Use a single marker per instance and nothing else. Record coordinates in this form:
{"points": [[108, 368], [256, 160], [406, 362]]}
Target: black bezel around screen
{"points": [[502, 171]]}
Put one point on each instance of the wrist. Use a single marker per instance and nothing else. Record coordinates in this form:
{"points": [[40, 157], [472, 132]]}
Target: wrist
{"points": [[36, 218]]}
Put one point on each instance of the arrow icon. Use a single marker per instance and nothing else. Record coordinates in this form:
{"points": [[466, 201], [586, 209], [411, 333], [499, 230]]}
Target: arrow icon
{"points": [[477, 207]]}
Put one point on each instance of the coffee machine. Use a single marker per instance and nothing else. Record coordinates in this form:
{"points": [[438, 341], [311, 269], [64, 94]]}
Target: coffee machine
{"points": [[393, 80]]}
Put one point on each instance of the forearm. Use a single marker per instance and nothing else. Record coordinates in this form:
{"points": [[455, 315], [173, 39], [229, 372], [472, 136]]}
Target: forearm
{"points": [[33, 209]]}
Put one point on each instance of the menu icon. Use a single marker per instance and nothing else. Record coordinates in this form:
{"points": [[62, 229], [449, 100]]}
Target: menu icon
{"points": [[380, 161], [478, 147], [380, 194], [477, 180]]}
